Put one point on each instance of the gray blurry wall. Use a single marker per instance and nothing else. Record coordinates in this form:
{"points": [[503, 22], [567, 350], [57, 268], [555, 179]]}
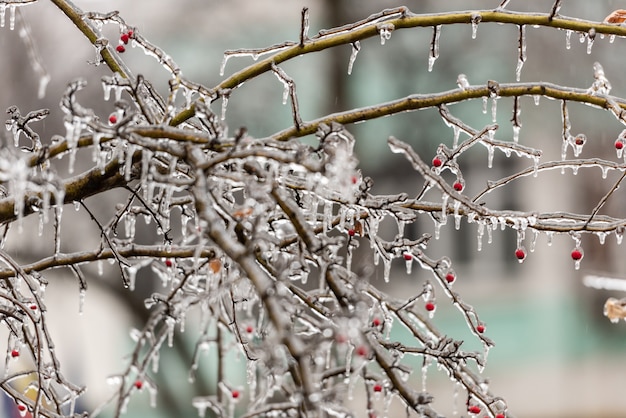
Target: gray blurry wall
{"points": [[555, 356]]}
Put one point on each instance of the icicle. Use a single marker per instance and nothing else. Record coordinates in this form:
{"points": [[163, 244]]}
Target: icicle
{"points": [[476, 18], [425, 365], [356, 47], [536, 99], [590, 38], [494, 108], [444, 208], [434, 47], [522, 52], [3, 8], [224, 105], [457, 216], [12, 8], [568, 39], [490, 151], [386, 269], [385, 30], [479, 235], [516, 130], [485, 100], [81, 301]]}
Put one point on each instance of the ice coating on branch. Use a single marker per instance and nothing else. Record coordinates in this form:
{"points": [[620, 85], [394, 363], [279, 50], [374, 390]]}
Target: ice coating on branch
{"points": [[356, 47], [521, 58], [568, 39], [462, 81], [434, 47], [601, 85]]}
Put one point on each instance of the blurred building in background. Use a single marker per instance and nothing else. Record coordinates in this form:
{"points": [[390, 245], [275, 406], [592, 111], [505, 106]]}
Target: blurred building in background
{"points": [[555, 354]]}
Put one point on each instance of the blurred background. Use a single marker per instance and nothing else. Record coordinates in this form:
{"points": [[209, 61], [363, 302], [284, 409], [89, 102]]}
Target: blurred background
{"points": [[555, 353]]}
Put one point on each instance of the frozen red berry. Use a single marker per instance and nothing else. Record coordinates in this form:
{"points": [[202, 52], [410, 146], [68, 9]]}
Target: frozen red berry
{"points": [[15, 353], [437, 162], [21, 407], [407, 256], [124, 38], [235, 394], [499, 415], [619, 144], [130, 33], [112, 119], [577, 254], [351, 232], [169, 263], [361, 351], [376, 322], [138, 384], [474, 409], [249, 329], [33, 307], [430, 306], [520, 254], [120, 48], [354, 179], [341, 338], [458, 186], [480, 328], [378, 387], [450, 277]]}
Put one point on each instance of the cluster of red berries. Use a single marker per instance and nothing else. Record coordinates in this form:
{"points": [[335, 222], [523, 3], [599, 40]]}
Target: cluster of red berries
{"points": [[124, 38], [437, 162]]}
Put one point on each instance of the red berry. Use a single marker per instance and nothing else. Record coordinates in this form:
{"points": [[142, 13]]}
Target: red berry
{"points": [[354, 179], [577, 255], [378, 387], [130, 33], [474, 409], [235, 394], [15, 353], [341, 338], [249, 329], [480, 328], [124, 38], [430, 306], [361, 351], [619, 144], [407, 256], [579, 140], [450, 277], [138, 384], [458, 186], [120, 48], [376, 322], [351, 232], [112, 119], [520, 254], [500, 416], [21, 407], [33, 307], [168, 263], [437, 162]]}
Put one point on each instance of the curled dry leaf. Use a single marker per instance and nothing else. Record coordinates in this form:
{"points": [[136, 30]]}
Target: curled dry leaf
{"points": [[615, 309], [618, 16]]}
